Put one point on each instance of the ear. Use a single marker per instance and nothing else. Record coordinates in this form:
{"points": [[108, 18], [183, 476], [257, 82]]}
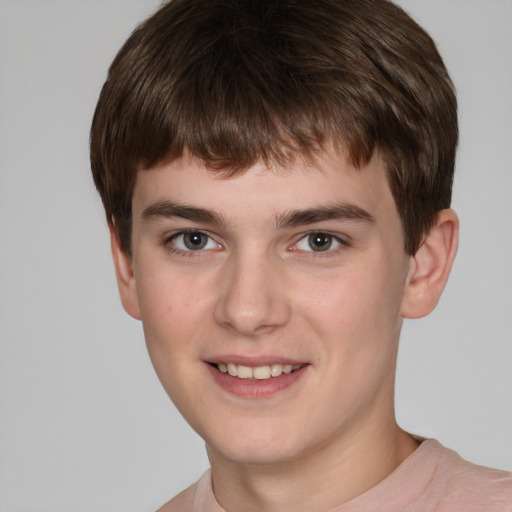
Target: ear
{"points": [[125, 275], [431, 266]]}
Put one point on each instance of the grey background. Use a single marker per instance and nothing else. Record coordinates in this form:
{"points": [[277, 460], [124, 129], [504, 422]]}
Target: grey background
{"points": [[84, 424]]}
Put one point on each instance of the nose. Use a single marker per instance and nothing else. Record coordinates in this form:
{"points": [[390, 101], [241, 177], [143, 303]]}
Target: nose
{"points": [[253, 298]]}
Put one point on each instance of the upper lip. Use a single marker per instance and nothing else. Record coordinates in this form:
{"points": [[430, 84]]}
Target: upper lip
{"points": [[254, 361]]}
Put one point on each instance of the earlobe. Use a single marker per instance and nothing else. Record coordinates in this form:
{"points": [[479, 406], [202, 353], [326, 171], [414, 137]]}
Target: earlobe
{"points": [[431, 266], [124, 275]]}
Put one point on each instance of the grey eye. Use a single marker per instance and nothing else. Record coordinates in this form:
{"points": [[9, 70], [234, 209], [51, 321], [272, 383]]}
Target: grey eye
{"points": [[320, 241], [194, 241]]}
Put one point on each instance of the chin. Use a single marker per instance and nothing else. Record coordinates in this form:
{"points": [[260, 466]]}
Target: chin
{"points": [[257, 447], [254, 455]]}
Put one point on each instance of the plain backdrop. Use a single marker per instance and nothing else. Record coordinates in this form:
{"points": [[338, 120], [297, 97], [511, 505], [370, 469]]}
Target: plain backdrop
{"points": [[84, 424]]}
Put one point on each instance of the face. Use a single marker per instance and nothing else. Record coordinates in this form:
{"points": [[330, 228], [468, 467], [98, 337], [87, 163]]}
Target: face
{"points": [[271, 301]]}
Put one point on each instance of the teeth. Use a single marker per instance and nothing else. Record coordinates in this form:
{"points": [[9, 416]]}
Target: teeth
{"points": [[258, 372], [261, 372], [276, 370], [244, 372]]}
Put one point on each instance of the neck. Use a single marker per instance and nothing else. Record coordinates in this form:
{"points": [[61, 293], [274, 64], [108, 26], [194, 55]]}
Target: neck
{"points": [[315, 482]]}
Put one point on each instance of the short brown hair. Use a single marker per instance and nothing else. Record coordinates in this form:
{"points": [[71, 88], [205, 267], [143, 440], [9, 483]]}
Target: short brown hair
{"points": [[236, 82]]}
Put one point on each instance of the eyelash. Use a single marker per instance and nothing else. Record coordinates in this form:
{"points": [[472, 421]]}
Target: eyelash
{"points": [[170, 244], [342, 243]]}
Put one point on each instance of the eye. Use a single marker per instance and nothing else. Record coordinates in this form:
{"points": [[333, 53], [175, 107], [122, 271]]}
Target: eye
{"points": [[193, 241], [318, 241]]}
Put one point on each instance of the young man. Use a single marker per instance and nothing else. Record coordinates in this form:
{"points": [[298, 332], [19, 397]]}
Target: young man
{"points": [[277, 180]]}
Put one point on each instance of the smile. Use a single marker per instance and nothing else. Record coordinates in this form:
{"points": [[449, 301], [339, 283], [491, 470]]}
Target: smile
{"points": [[257, 372], [255, 378]]}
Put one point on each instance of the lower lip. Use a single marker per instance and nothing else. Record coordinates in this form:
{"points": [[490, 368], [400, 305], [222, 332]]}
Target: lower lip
{"points": [[255, 388]]}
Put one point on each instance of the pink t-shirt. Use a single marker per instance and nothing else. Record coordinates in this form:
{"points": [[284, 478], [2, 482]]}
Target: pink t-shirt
{"points": [[432, 479]]}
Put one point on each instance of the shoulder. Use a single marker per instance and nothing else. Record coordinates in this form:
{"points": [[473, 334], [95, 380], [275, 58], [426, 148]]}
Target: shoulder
{"points": [[183, 502], [197, 498], [459, 483]]}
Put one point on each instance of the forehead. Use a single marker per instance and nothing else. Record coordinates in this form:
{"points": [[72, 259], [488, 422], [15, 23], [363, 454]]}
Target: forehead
{"points": [[330, 179]]}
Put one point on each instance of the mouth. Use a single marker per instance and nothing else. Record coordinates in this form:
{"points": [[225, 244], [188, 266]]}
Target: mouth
{"points": [[261, 379], [263, 372]]}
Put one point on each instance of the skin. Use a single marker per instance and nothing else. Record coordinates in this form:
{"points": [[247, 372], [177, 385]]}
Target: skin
{"points": [[258, 292]]}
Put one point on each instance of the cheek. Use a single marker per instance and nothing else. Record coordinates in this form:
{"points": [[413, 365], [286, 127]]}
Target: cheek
{"points": [[171, 302], [357, 320], [357, 310], [174, 317], [174, 321]]}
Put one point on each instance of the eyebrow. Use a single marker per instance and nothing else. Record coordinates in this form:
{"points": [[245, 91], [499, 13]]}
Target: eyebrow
{"points": [[170, 210], [292, 218], [343, 211]]}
